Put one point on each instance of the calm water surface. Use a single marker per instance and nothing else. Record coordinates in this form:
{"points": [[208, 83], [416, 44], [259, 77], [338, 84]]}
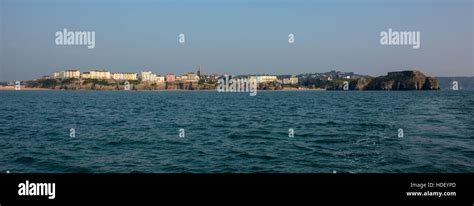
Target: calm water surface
{"points": [[353, 132]]}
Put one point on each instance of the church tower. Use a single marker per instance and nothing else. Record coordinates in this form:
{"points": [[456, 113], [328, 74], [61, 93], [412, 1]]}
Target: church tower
{"points": [[199, 71]]}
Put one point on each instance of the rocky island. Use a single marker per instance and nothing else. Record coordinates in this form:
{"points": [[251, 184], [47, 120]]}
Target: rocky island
{"points": [[403, 80], [400, 80]]}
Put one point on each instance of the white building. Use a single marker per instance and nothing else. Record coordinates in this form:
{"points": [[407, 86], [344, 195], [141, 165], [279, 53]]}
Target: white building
{"points": [[293, 80], [182, 78], [118, 76], [67, 74], [85, 75], [147, 76], [262, 79], [160, 79], [56, 75], [192, 77], [100, 74], [131, 76]]}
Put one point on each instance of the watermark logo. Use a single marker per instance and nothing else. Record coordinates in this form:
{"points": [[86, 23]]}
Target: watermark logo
{"points": [[127, 86], [345, 86], [75, 38], [291, 38], [400, 133], [397, 38], [17, 85], [72, 132], [37, 189], [237, 85], [181, 133], [291, 133], [181, 39], [455, 85]]}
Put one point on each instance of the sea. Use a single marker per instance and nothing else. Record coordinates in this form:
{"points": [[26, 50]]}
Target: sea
{"points": [[212, 132]]}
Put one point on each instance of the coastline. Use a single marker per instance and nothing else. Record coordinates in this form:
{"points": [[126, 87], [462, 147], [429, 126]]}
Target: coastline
{"points": [[10, 88], [401, 80]]}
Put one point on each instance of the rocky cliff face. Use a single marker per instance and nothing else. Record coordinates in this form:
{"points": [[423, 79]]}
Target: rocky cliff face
{"points": [[361, 83], [431, 84], [404, 80], [76, 84]]}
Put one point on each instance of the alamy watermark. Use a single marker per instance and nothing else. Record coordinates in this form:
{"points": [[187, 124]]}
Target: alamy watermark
{"points": [[126, 86], [17, 85], [37, 189], [181, 38], [227, 84], [181, 133], [75, 38], [455, 86], [291, 133], [390, 37], [400, 133], [345, 86], [72, 133], [291, 38]]}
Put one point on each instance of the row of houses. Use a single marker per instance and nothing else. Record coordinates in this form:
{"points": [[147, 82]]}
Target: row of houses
{"points": [[271, 78], [146, 76], [292, 80]]}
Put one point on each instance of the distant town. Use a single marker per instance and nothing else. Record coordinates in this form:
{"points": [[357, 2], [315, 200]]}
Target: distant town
{"points": [[74, 79], [150, 77], [190, 77]]}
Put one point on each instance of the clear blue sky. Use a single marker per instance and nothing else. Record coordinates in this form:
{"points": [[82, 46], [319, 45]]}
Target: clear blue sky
{"points": [[236, 37]]}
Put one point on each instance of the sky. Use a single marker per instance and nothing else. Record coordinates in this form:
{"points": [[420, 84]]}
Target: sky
{"points": [[236, 37]]}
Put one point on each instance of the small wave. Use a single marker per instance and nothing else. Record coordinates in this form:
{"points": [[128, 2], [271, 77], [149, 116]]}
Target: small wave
{"points": [[331, 123], [75, 169], [126, 142], [247, 155], [371, 124], [24, 159]]}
